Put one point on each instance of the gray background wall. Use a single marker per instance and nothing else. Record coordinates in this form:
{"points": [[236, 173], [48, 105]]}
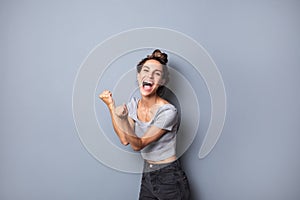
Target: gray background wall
{"points": [[255, 45]]}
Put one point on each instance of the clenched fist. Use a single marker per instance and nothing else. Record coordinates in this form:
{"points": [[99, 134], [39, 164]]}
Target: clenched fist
{"points": [[106, 97]]}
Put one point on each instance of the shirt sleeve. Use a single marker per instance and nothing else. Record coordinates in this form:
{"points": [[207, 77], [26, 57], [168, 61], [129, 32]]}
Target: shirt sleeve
{"points": [[166, 118], [131, 106]]}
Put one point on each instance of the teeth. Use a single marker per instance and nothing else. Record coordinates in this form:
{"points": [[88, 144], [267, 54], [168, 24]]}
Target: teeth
{"points": [[147, 83]]}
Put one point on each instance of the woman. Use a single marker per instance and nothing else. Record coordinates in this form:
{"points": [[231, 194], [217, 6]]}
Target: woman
{"points": [[149, 125]]}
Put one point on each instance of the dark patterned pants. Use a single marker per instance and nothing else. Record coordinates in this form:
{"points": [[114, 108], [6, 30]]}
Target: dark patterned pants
{"points": [[164, 182]]}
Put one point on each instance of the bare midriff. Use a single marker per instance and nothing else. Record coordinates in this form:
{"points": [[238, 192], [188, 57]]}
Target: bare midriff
{"points": [[168, 160]]}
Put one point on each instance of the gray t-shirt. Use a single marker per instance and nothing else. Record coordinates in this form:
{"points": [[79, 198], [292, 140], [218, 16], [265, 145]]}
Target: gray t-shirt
{"points": [[166, 118]]}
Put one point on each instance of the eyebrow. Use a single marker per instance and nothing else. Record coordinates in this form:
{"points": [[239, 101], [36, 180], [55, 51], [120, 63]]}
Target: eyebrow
{"points": [[154, 70]]}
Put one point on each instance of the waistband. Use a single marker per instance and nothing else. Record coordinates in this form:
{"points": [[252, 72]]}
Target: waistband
{"points": [[149, 167]]}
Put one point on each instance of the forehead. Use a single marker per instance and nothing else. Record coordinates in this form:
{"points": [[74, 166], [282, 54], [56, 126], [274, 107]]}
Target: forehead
{"points": [[154, 64]]}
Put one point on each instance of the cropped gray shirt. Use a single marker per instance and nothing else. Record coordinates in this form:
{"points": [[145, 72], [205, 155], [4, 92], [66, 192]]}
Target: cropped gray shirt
{"points": [[166, 118]]}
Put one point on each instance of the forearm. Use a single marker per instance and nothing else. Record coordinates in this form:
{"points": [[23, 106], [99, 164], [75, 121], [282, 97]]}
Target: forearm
{"points": [[106, 97], [135, 142], [121, 134]]}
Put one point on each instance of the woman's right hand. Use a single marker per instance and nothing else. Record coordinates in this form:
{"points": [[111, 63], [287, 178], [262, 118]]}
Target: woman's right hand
{"points": [[106, 97]]}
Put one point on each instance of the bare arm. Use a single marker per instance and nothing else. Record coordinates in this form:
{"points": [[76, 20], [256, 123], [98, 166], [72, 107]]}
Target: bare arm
{"points": [[137, 143], [124, 125], [106, 97]]}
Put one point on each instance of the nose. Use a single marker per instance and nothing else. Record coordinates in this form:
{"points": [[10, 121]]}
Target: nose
{"points": [[150, 75]]}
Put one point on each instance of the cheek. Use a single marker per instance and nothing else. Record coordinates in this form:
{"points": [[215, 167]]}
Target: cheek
{"points": [[138, 76]]}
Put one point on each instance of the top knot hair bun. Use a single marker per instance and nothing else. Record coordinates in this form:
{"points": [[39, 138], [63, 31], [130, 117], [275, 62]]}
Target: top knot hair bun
{"points": [[159, 56], [156, 55]]}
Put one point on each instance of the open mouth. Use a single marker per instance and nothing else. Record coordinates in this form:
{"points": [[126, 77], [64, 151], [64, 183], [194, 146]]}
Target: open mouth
{"points": [[147, 85]]}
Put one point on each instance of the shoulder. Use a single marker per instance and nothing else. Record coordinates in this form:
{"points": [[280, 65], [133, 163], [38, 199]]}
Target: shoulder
{"points": [[163, 101], [167, 111], [132, 107], [166, 117], [133, 102], [167, 106]]}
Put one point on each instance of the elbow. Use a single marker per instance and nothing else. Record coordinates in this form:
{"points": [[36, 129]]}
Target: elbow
{"points": [[139, 146], [124, 142], [136, 148]]}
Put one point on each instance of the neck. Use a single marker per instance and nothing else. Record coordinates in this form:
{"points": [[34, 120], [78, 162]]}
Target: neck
{"points": [[148, 102]]}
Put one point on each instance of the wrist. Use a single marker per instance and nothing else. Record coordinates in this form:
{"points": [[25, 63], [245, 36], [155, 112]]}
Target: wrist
{"points": [[111, 106]]}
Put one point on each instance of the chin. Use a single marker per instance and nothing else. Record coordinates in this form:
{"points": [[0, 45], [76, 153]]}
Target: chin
{"points": [[147, 93]]}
